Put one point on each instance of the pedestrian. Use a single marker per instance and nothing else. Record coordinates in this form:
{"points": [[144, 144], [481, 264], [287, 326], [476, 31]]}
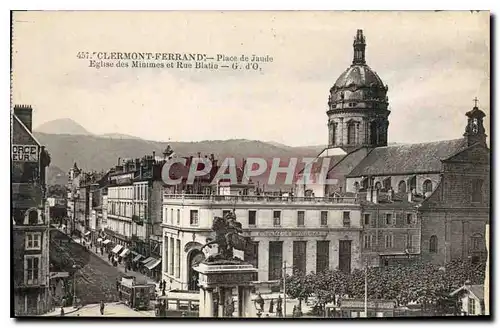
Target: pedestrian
{"points": [[271, 306], [102, 307], [62, 311], [117, 285]]}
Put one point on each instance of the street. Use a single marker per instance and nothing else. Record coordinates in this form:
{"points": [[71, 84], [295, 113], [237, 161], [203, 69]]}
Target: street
{"points": [[92, 310], [95, 277]]}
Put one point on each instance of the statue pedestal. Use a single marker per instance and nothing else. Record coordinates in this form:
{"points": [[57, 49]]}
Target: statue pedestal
{"points": [[220, 279]]}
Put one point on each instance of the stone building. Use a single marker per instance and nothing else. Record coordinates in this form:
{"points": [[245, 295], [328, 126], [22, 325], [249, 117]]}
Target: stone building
{"points": [[30, 219], [306, 233], [133, 210]]}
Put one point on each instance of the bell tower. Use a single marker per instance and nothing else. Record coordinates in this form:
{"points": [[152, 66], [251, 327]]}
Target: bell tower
{"points": [[474, 131]]}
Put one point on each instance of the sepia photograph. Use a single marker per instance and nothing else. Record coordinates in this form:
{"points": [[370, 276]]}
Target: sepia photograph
{"points": [[264, 165]]}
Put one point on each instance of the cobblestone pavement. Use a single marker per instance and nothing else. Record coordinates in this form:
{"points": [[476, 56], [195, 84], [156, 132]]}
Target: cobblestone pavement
{"points": [[110, 310]]}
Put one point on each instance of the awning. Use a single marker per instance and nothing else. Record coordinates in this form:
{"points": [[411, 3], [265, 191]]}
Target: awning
{"points": [[117, 249], [59, 275], [125, 252], [107, 241], [147, 260], [151, 265], [136, 258], [99, 239]]}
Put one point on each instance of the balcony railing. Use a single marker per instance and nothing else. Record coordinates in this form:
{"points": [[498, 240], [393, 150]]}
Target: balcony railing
{"points": [[263, 199]]}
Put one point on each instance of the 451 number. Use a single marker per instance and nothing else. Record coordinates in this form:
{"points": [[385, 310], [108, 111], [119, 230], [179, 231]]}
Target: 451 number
{"points": [[83, 55]]}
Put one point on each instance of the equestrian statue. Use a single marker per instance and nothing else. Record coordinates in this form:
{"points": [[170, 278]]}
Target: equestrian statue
{"points": [[227, 238]]}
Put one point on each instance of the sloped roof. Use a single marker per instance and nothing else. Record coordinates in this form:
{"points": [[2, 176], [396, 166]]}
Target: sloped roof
{"points": [[18, 120], [407, 159], [318, 163], [477, 290]]}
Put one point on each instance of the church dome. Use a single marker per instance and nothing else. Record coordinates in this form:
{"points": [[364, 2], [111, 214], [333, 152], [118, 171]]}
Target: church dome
{"points": [[358, 87]]}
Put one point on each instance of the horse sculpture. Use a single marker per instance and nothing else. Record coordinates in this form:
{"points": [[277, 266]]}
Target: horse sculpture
{"points": [[227, 237]]}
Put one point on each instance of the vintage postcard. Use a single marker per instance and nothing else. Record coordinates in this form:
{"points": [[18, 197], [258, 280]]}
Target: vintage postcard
{"points": [[272, 165]]}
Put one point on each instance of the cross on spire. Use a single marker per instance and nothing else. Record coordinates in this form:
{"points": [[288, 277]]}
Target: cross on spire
{"points": [[475, 101]]}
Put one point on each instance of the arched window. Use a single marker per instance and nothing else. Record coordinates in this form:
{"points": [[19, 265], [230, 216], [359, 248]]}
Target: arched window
{"points": [[378, 185], [427, 186], [356, 186], [373, 133], [433, 244], [387, 183], [402, 186], [33, 217], [413, 184], [351, 134], [333, 134]]}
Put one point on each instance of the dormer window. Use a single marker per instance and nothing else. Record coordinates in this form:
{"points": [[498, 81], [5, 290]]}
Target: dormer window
{"points": [[32, 217]]}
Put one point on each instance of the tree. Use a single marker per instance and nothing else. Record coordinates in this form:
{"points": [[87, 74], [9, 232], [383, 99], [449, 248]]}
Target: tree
{"points": [[300, 286]]}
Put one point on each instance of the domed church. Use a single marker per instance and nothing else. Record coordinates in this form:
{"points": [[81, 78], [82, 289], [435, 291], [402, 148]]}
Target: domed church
{"points": [[357, 105], [428, 199]]}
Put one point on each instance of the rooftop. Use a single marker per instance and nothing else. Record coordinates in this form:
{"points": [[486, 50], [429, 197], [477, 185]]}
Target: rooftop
{"points": [[407, 159]]}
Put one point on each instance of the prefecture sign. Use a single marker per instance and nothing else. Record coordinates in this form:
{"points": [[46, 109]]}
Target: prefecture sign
{"points": [[25, 153], [292, 233]]}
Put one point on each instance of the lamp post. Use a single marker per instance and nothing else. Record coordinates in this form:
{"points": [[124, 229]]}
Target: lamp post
{"points": [[284, 287], [366, 288], [75, 266]]}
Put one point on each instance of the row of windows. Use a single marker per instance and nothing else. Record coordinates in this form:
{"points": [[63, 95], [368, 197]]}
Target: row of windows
{"points": [[390, 220], [477, 243], [370, 241], [127, 209], [299, 257], [275, 263], [137, 192], [169, 218], [386, 184], [252, 218]]}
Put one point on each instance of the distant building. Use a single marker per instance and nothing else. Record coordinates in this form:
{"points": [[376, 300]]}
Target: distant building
{"points": [[30, 218]]}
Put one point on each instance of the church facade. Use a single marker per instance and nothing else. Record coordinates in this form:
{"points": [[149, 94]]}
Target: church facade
{"points": [[426, 201]]}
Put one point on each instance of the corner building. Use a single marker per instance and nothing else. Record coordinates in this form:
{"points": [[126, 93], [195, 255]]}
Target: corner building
{"points": [[309, 234], [30, 218]]}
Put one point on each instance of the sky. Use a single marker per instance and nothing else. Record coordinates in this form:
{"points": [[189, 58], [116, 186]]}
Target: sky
{"points": [[435, 64]]}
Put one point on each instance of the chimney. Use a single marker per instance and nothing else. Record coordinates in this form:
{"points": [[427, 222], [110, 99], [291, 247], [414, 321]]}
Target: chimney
{"points": [[119, 160], [390, 195], [410, 197], [154, 155], [369, 193], [25, 114], [375, 196]]}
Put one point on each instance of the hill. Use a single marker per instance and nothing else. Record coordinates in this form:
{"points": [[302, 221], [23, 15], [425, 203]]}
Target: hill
{"points": [[92, 152], [62, 126], [118, 136]]}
